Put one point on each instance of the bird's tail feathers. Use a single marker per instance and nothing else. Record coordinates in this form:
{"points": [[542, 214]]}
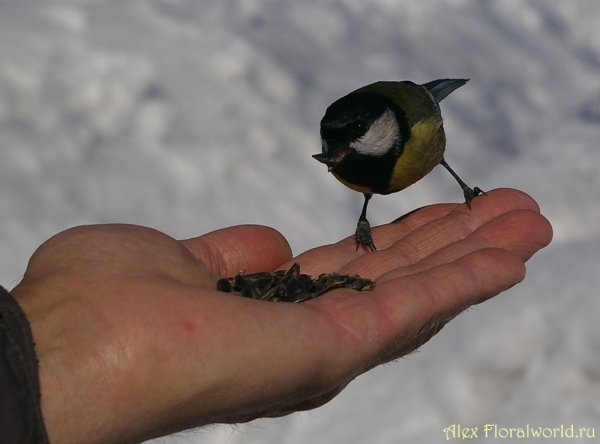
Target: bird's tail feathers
{"points": [[441, 88]]}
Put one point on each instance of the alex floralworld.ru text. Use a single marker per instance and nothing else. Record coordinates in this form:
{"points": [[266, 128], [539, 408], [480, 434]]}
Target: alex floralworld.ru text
{"points": [[457, 431]]}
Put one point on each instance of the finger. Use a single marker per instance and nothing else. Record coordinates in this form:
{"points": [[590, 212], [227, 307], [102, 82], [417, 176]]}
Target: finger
{"points": [[482, 209], [462, 221], [332, 257], [522, 232], [252, 248], [415, 236], [448, 289], [439, 233]]}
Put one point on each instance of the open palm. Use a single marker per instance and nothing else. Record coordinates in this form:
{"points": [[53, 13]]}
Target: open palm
{"points": [[133, 340]]}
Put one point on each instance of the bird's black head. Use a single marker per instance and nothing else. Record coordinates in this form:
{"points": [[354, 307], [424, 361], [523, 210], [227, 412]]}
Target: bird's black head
{"points": [[349, 118], [359, 124]]}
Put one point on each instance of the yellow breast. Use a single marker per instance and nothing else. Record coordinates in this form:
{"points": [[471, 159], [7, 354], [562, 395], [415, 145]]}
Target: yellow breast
{"points": [[353, 186], [423, 151]]}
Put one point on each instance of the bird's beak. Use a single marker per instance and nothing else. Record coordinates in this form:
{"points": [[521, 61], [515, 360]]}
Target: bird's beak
{"points": [[331, 158]]}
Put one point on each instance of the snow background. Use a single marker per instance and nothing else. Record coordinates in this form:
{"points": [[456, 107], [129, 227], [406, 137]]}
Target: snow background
{"points": [[188, 116]]}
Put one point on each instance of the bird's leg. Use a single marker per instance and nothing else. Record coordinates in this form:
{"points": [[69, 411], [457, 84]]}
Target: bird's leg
{"points": [[363, 228], [469, 193]]}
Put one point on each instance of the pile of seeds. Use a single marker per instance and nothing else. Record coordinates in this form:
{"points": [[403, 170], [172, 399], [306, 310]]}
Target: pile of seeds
{"points": [[289, 286]]}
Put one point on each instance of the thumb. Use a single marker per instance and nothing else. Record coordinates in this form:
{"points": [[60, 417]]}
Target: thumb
{"points": [[252, 248]]}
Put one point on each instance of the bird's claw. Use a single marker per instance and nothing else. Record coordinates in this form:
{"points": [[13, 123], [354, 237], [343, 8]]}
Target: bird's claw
{"points": [[471, 193], [362, 236]]}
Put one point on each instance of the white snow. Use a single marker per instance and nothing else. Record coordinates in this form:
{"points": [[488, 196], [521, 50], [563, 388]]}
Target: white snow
{"points": [[188, 116]]}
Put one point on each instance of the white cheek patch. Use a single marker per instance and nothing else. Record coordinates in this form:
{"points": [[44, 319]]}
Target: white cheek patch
{"points": [[380, 137]]}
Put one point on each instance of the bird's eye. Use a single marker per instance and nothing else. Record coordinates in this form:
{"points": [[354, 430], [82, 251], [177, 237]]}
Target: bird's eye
{"points": [[358, 127]]}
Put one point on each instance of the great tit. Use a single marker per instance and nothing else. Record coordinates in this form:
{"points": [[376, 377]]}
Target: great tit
{"points": [[384, 137]]}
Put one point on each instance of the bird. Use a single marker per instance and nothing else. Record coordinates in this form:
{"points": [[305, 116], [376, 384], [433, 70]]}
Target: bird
{"points": [[384, 137]]}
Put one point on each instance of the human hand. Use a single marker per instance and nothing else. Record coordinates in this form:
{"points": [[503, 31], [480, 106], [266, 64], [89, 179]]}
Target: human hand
{"points": [[133, 341]]}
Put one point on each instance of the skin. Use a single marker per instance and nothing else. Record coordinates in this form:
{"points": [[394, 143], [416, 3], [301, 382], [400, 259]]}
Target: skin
{"points": [[133, 341]]}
